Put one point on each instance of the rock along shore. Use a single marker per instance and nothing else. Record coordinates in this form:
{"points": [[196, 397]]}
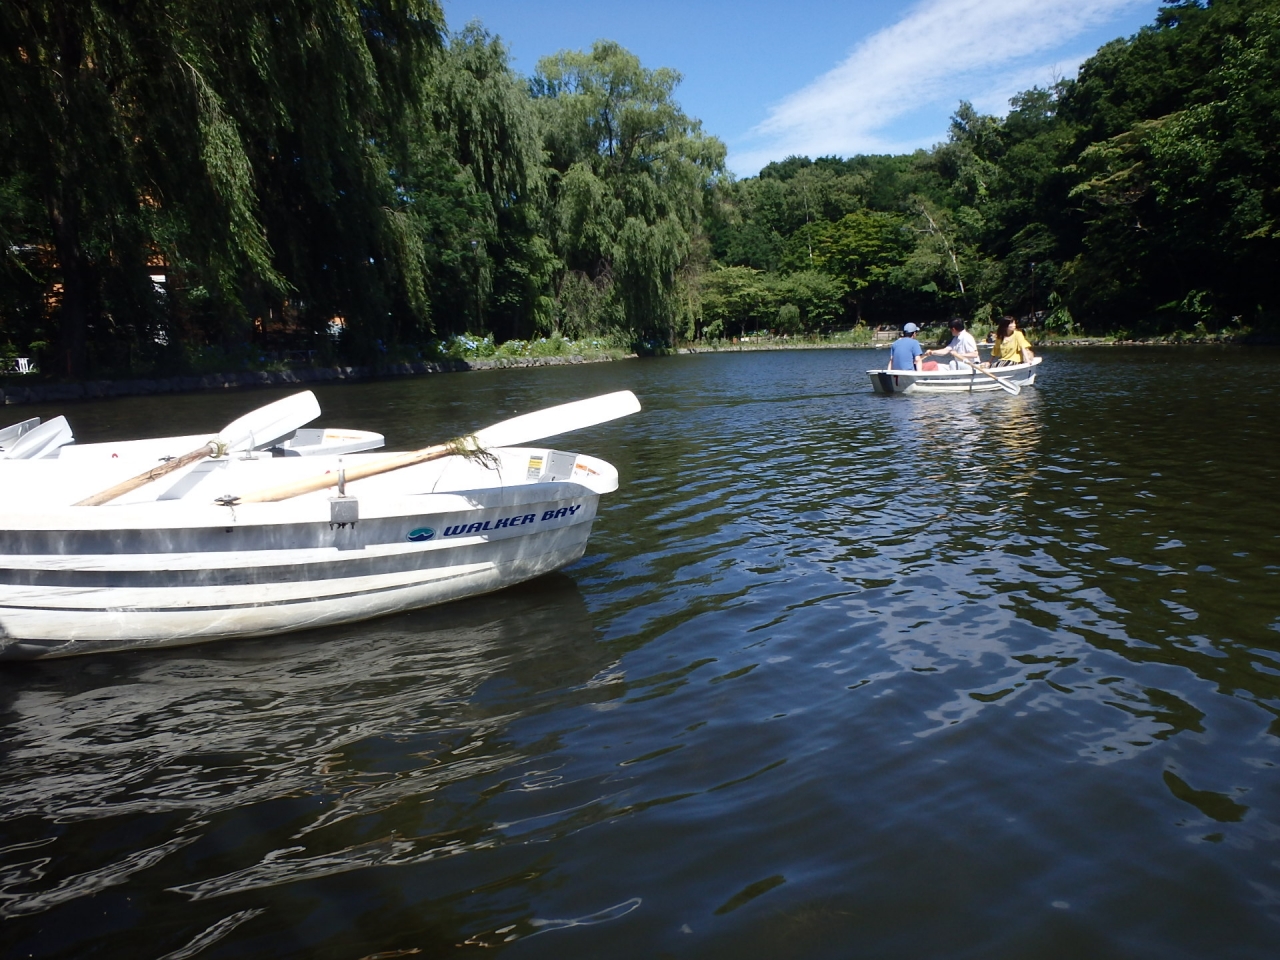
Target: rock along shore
{"points": [[97, 389]]}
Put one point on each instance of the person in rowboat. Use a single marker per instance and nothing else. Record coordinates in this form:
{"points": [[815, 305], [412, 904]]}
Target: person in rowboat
{"points": [[961, 347], [906, 351], [1010, 346]]}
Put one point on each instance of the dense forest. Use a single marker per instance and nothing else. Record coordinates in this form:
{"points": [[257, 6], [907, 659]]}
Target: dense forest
{"points": [[194, 183]]}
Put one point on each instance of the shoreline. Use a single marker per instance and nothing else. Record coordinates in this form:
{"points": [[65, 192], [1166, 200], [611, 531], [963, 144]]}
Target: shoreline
{"points": [[1037, 344], [302, 376], [37, 393]]}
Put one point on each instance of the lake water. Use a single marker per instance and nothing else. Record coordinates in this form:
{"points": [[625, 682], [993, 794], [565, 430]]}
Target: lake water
{"points": [[840, 676]]}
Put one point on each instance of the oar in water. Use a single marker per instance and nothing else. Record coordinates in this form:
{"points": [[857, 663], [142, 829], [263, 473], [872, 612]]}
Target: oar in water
{"points": [[255, 428], [1008, 386], [538, 425]]}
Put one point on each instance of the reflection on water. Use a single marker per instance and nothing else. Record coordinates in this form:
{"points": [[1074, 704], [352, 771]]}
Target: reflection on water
{"points": [[318, 737], [981, 676]]}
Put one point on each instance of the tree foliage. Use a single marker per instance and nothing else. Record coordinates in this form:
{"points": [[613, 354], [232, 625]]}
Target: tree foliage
{"points": [[1141, 195], [352, 178], [631, 175], [240, 151]]}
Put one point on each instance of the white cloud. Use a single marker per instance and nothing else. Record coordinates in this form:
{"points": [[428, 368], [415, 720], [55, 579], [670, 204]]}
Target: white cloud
{"points": [[994, 96], [940, 52]]}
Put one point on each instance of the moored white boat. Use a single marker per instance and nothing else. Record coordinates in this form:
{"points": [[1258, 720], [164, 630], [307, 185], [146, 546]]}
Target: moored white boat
{"points": [[31, 439], [945, 379], [148, 571], [304, 442], [54, 440], [9, 435], [80, 579]]}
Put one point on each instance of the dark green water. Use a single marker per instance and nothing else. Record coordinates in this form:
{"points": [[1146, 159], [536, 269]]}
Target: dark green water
{"points": [[840, 676]]}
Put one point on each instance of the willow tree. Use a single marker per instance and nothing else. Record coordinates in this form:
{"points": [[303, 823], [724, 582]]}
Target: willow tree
{"points": [[247, 146], [334, 100], [477, 187], [631, 176], [87, 94]]}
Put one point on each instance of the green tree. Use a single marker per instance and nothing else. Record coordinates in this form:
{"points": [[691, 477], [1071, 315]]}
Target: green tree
{"points": [[1179, 205], [327, 154], [862, 249], [735, 300], [202, 137], [477, 187], [632, 178], [819, 298]]}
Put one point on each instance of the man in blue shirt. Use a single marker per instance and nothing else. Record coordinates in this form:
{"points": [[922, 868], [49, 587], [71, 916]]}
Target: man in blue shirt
{"points": [[906, 350]]}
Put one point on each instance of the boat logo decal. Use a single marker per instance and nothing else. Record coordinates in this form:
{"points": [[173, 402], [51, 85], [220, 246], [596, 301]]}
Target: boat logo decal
{"points": [[506, 522], [422, 533]]}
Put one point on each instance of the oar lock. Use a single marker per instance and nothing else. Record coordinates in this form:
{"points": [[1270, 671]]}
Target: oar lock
{"points": [[343, 510]]}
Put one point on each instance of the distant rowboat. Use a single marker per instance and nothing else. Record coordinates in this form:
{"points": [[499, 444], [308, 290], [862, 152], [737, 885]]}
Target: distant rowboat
{"points": [[949, 380]]}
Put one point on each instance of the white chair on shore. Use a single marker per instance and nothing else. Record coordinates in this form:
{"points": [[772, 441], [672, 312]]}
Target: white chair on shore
{"points": [[24, 364]]}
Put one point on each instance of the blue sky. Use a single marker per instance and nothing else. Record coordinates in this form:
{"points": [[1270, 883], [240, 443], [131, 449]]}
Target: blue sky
{"points": [[819, 77]]}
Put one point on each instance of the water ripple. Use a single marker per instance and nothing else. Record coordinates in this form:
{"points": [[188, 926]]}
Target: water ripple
{"points": [[968, 676]]}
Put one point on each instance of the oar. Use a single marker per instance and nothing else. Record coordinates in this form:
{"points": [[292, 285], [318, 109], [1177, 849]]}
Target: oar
{"points": [[12, 432], [539, 425], [41, 441], [1008, 386], [260, 426]]}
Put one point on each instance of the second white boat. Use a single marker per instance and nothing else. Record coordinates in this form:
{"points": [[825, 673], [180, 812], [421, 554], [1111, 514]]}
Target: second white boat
{"points": [[945, 379]]}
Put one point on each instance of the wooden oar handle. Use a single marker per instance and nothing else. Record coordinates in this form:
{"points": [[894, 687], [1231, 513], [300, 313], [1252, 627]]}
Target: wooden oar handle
{"points": [[979, 369], [1007, 385], [210, 449], [298, 487]]}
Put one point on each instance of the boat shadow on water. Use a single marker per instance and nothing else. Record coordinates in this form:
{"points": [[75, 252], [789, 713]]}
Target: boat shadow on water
{"points": [[267, 762]]}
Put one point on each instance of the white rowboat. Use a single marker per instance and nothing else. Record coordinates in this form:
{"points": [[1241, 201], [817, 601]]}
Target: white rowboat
{"points": [[948, 380], [154, 569], [10, 434], [33, 440], [84, 579], [305, 442]]}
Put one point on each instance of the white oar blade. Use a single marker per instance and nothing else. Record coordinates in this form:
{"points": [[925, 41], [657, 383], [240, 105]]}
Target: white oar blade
{"points": [[42, 441], [9, 435], [554, 421], [270, 423]]}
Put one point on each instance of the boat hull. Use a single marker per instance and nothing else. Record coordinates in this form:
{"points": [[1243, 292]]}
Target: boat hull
{"points": [[171, 573], [946, 380]]}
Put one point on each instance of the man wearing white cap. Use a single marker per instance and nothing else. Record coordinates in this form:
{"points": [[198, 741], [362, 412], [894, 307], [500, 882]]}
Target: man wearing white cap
{"points": [[906, 350]]}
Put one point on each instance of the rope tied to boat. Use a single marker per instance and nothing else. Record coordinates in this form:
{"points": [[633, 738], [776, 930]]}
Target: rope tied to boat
{"points": [[216, 447], [469, 448]]}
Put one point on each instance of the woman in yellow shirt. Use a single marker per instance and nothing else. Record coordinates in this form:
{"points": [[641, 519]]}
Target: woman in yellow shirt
{"points": [[1010, 346]]}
